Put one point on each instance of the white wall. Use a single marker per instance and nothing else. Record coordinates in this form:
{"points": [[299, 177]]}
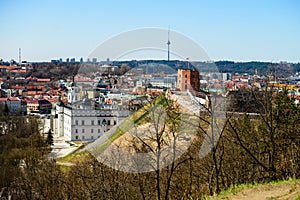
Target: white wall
{"points": [[83, 124]]}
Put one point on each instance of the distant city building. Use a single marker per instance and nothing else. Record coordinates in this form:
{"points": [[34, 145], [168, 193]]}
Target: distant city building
{"points": [[81, 60], [226, 76], [107, 68], [60, 60], [139, 83], [15, 105], [188, 79], [73, 60], [56, 61], [94, 60], [67, 60], [39, 106], [165, 82], [217, 76]]}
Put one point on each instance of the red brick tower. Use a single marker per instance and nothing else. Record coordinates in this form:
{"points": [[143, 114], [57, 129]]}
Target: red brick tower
{"points": [[188, 79]]}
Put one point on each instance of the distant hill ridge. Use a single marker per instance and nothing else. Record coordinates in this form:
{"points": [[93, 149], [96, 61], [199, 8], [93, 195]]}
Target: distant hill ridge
{"points": [[252, 67]]}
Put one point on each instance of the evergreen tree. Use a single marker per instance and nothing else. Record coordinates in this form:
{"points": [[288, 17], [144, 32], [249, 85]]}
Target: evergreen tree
{"points": [[49, 140]]}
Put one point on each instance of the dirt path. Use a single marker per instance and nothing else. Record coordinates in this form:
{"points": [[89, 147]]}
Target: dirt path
{"points": [[279, 191]]}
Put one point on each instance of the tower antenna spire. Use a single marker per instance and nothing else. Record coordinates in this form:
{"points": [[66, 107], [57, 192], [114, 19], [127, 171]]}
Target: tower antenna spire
{"points": [[20, 56], [168, 43]]}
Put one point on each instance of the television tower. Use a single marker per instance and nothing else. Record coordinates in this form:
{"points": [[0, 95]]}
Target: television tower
{"points": [[19, 56], [168, 43]]}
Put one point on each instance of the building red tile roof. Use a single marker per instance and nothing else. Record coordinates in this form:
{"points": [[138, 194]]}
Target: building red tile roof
{"points": [[13, 99], [34, 87], [31, 92], [43, 80], [18, 71], [32, 101], [37, 101], [16, 87], [9, 67]]}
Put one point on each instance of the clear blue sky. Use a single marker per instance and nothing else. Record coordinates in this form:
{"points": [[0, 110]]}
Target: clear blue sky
{"points": [[263, 30]]}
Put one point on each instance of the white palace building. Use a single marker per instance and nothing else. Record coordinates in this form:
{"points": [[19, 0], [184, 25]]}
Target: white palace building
{"points": [[84, 120]]}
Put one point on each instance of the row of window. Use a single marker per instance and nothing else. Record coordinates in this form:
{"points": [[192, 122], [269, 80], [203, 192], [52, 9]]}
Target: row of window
{"points": [[83, 130], [83, 138], [185, 81], [184, 75], [104, 122], [193, 76]]}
